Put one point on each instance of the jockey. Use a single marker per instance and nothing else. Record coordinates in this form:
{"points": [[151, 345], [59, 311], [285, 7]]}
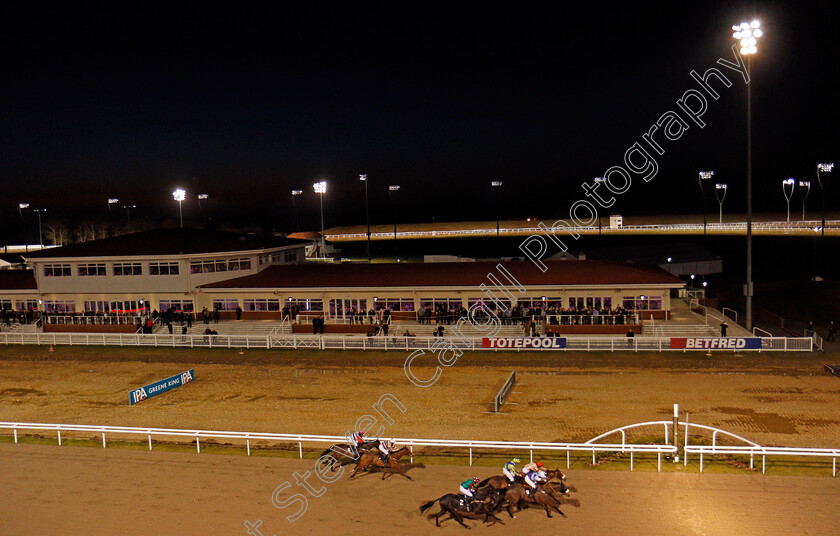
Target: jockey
{"points": [[386, 447], [510, 470], [533, 479], [467, 488], [532, 467], [358, 439]]}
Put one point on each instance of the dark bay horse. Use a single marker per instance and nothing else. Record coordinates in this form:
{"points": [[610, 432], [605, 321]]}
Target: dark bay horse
{"points": [[342, 454], [498, 482], [371, 458], [453, 504]]}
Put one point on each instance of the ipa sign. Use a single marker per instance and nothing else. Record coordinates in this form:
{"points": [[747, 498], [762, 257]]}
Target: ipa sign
{"points": [[154, 389]]}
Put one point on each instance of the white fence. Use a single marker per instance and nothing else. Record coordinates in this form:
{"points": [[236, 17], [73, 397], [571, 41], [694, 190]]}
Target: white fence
{"points": [[300, 439], [590, 447], [354, 342]]}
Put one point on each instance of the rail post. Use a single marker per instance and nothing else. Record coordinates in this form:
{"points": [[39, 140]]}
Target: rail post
{"points": [[300, 449], [197, 444], [470, 455], [59, 438], [248, 446], [15, 436], [103, 440], [150, 441], [568, 460], [411, 450]]}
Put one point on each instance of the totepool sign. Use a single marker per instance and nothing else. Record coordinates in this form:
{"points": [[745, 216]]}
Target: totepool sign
{"points": [[154, 389], [716, 343], [523, 343]]}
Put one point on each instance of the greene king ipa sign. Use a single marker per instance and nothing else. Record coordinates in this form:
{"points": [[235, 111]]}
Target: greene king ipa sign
{"points": [[154, 389]]}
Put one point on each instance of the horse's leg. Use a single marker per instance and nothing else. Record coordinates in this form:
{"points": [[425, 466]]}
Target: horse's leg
{"points": [[402, 472], [456, 517], [437, 516]]}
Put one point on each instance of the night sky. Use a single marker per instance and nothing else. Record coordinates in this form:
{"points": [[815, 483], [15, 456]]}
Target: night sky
{"points": [[247, 105]]}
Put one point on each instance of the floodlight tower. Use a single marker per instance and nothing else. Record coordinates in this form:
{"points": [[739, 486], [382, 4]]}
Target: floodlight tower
{"points": [[179, 195], [785, 184], [363, 178], [825, 168], [720, 193], [296, 193], [702, 176], [599, 180], [112, 201], [748, 34], [321, 189], [494, 185], [806, 187], [393, 188]]}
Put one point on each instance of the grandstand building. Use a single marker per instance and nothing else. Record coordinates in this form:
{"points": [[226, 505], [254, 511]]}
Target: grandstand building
{"points": [[190, 270]]}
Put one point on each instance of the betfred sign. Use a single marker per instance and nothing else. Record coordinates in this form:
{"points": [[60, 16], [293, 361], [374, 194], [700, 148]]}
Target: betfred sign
{"points": [[524, 343], [716, 343], [153, 389]]}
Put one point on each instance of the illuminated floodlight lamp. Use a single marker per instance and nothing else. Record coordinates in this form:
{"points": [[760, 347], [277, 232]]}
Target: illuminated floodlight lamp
{"points": [[826, 168], [495, 183], [179, 195], [393, 188], [669, 259], [599, 179], [721, 186], [705, 283], [805, 184], [320, 187], [203, 196], [707, 174], [23, 205], [363, 178], [297, 192], [112, 200], [747, 35]]}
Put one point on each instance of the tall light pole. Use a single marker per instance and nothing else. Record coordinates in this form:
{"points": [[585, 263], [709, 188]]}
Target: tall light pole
{"points": [[22, 206], [40, 235], [321, 189], [825, 168], [128, 212], [599, 180], [393, 188], [179, 195], [202, 197], [748, 34], [112, 201], [720, 193], [363, 178], [806, 186], [702, 176], [785, 184], [296, 193], [494, 185]]}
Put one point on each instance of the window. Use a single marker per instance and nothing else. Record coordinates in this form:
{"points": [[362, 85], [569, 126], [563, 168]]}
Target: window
{"points": [[176, 305], [305, 304], [22, 305], [244, 264], [57, 270], [128, 268], [92, 270], [445, 303], [642, 303], [225, 265], [59, 307], [531, 303], [270, 304], [163, 268], [5, 305], [488, 303], [225, 305], [97, 307], [394, 304], [290, 256]]}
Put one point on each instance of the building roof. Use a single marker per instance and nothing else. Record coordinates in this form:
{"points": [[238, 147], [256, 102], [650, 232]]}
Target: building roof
{"points": [[166, 242], [455, 274], [17, 280]]}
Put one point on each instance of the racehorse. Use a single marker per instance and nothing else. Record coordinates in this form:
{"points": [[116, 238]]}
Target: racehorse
{"points": [[456, 505], [498, 482], [516, 494], [555, 473], [371, 457], [342, 454]]}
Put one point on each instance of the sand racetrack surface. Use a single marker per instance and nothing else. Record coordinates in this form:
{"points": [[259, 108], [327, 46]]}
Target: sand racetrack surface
{"points": [[80, 491], [773, 399]]}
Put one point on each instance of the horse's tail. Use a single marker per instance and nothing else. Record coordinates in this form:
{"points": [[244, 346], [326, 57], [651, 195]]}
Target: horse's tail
{"points": [[326, 452], [425, 506]]}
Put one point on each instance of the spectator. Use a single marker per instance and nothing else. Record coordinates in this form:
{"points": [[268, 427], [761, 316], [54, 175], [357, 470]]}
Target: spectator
{"points": [[216, 315], [206, 315], [723, 326], [630, 336], [315, 325], [238, 312], [832, 331]]}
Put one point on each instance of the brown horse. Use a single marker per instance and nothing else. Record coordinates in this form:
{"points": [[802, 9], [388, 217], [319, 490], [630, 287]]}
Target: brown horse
{"points": [[498, 482], [371, 458], [516, 494], [457, 506], [555, 473]]}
